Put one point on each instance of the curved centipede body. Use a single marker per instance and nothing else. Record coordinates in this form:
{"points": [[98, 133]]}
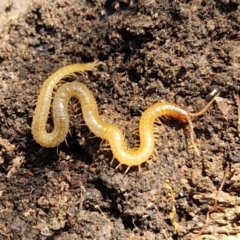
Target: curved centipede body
{"points": [[109, 132]]}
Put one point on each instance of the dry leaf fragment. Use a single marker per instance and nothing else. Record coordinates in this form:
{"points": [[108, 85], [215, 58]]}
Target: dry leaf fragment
{"points": [[223, 105]]}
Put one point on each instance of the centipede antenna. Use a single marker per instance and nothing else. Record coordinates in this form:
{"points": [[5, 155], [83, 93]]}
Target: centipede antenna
{"points": [[204, 109]]}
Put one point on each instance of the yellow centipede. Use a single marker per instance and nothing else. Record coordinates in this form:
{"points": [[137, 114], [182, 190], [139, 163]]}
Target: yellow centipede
{"points": [[109, 132]]}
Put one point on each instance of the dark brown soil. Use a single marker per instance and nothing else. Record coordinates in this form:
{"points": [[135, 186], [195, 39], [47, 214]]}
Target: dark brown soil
{"points": [[153, 50]]}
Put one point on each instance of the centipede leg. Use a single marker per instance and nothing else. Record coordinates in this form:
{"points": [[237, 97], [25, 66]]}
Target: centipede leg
{"points": [[112, 160], [65, 140], [41, 149], [155, 154], [90, 133], [135, 132], [158, 122], [126, 171], [157, 128], [118, 166], [48, 127], [104, 145], [197, 151]]}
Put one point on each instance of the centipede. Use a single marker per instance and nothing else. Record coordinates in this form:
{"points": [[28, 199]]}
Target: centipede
{"points": [[109, 132]]}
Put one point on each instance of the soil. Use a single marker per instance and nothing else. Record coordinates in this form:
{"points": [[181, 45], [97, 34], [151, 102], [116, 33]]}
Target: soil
{"points": [[153, 50]]}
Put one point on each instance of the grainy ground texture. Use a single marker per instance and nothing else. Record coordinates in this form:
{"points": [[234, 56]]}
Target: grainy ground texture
{"points": [[152, 50]]}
